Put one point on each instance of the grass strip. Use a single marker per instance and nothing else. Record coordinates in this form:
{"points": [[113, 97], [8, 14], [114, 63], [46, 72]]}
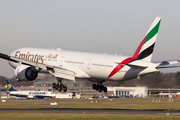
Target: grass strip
{"points": [[57, 116]]}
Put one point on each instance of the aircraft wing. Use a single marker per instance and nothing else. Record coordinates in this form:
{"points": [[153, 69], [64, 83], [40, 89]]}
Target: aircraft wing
{"points": [[30, 63], [6, 57], [63, 73], [56, 71]]}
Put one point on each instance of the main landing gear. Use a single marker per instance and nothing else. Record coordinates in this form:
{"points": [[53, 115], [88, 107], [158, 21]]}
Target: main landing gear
{"points": [[59, 86], [99, 87]]}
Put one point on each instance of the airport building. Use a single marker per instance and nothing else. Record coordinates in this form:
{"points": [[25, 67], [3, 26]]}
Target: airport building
{"points": [[128, 91], [77, 89], [80, 89]]}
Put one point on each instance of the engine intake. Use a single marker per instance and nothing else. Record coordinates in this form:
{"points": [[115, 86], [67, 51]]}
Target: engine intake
{"points": [[25, 73]]}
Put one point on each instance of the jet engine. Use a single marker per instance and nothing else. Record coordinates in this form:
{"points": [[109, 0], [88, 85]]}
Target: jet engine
{"points": [[25, 73]]}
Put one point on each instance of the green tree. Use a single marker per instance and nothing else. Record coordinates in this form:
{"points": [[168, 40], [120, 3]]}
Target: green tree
{"points": [[164, 85], [173, 82], [177, 76], [120, 83], [151, 80]]}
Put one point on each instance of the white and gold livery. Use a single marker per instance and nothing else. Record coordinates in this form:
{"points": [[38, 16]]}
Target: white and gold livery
{"points": [[69, 65]]}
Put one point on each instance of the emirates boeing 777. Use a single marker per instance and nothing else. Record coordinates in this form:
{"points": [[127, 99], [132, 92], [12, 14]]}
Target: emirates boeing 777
{"points": [[69, 65]]}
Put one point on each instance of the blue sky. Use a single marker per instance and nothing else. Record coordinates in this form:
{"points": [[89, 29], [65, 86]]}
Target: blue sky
{"points": [[102, 26]]}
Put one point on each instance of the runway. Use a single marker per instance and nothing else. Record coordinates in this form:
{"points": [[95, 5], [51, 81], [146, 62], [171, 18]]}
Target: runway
{"points": [[90, 111], [79, 106]]}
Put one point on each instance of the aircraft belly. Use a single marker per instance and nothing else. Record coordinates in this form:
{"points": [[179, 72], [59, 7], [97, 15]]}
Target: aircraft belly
{"points": [[102, 72], [120, 75], [126, 73]]}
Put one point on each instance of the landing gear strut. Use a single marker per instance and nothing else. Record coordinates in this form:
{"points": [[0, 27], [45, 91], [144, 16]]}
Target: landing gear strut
{"points": [[99, 87], [59, 86]]}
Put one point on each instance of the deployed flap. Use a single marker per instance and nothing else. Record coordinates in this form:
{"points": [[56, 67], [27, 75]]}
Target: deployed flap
{"points": [[77, 71], [63, 73]]}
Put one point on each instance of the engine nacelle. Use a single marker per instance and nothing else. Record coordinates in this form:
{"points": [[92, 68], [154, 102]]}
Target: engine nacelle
{"points": [[25, 73]]}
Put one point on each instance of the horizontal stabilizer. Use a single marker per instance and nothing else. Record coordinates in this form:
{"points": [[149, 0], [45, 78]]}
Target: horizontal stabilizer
{"points": [[167, 62], [168, 66]]}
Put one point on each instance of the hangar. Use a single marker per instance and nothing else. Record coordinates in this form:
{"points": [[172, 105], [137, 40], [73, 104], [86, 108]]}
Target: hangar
{"points": [[128, 91]]}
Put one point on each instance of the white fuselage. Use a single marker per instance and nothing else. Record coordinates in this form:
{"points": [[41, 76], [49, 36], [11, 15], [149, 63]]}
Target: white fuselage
{"points": [[32, 94], [85, 65]]}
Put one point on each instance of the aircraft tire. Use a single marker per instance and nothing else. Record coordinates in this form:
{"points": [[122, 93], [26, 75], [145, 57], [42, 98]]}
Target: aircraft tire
{"points": [[97, 87], [105, 89], [57, 86], [94, 86], [60, 88], [65, 88], [101, 88], [54, 85]]}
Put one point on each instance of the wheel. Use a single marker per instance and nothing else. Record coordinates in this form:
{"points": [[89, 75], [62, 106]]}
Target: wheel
{"points": [[59, 88], [53, 85], [94, 86], [97, 87], [64, 88], [101, 88], [56, 88], [105, 89]]}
